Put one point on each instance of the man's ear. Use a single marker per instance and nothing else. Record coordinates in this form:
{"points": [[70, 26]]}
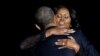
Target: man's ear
{"points": [[37, 26], [54, 19]]}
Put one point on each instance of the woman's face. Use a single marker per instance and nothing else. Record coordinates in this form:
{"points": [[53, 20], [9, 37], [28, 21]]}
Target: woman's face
{"points": [[62, 18]]}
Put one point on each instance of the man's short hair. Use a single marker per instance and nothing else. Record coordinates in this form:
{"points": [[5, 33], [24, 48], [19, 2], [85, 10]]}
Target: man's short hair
{"points": [[44, 15]]}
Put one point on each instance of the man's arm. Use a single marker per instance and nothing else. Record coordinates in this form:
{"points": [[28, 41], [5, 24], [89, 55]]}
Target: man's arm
{"points": [[30, 41]]}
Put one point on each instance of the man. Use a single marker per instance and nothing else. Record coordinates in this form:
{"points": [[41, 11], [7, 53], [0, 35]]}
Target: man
{"points": [[44, 16]]}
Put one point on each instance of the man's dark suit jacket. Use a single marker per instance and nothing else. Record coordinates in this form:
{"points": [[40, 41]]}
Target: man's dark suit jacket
{"points": [[48, 48]]}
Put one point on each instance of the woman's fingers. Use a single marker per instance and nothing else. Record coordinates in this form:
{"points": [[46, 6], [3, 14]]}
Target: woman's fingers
{"points": [[61, 47], [58, 43], [61, 42], [70, 37], [37, 27], [68, 31], [71, 31]]}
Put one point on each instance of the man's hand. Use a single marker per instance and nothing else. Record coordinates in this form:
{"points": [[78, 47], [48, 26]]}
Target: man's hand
{"points": [[68, 43]]}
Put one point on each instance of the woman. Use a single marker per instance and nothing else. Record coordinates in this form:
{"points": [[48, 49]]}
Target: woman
{"points": [[63, 20]]}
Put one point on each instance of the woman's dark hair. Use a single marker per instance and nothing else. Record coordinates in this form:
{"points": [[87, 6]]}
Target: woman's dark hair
{"points": [[73, 15]]}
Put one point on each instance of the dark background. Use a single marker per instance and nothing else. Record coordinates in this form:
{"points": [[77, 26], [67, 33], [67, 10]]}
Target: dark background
{"points": [[87, 15]]}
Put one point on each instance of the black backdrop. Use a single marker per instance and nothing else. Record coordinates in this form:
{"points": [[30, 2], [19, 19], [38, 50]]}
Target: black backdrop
{"points": [[25, 19]]}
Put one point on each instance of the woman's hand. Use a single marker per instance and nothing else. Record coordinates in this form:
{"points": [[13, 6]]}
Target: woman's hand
{"points": [[68, 43], [58, 31]]}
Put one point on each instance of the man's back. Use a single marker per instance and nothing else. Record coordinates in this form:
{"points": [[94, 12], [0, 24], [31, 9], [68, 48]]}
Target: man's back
{"points": [[48, 47]]}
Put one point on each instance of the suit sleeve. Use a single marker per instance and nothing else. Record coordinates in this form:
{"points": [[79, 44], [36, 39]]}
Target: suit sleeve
{"points": [[29, 42], [86, 45]]}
